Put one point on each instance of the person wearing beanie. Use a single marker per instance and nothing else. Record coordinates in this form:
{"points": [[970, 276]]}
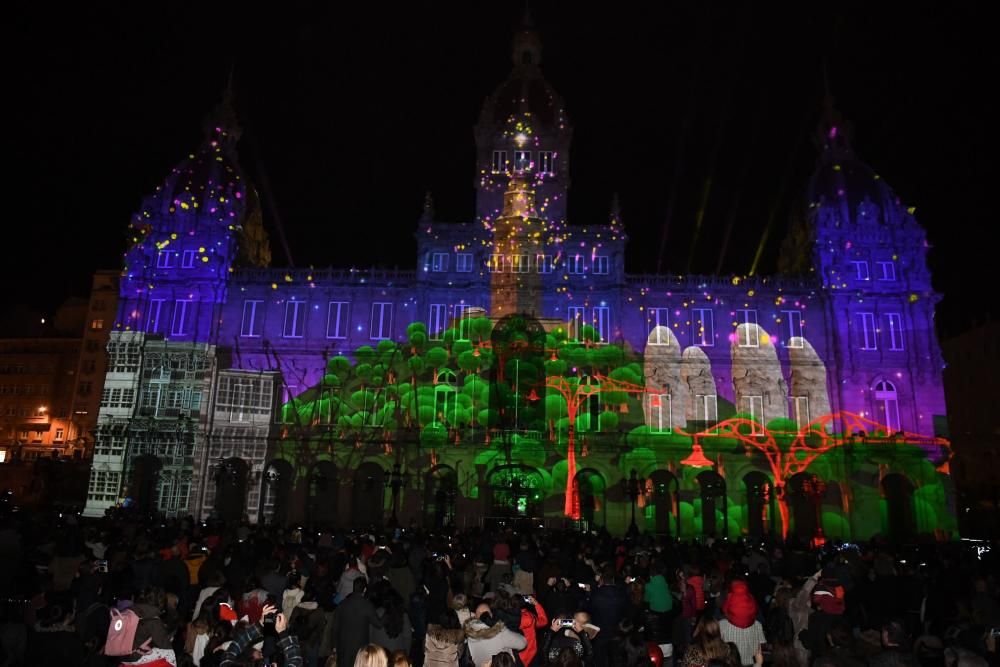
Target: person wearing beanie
{"points": [[740, 625]]}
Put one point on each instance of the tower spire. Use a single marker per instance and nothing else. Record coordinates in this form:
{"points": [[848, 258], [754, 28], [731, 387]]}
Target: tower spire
{"points": [[527, 49], [615, 214], [428, 214]]}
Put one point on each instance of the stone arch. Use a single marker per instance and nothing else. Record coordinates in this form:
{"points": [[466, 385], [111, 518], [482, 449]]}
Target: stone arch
{"points": [[898, 517], [324, 491], [440, 496], [231, 489], [279, 479], [666, 517], [516, 491], [805, 502], [590, 488], [368, 495], [146, 470], [712, 490], [760, 503]]}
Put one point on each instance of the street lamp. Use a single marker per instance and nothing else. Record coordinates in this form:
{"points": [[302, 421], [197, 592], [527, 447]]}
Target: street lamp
{"points": [[395, 480], [633, 488]]}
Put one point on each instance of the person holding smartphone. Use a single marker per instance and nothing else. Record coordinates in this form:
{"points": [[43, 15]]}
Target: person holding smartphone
{"points": [[568, 632], [252, 637]]}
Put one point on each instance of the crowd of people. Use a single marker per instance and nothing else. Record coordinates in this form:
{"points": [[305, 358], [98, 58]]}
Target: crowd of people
{"points": [[145, 590]]}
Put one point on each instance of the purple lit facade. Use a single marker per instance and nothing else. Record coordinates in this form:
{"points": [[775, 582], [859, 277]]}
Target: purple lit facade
{"points": [[196, 281]]}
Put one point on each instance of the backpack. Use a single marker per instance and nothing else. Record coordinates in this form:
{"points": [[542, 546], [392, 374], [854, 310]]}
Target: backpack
{"points": [[121, 634]]}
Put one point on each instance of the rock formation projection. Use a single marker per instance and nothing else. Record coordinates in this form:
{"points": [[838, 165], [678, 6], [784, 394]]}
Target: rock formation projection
{"points": [[808, 381], [760, 387], [696, 373], [667, 394]]}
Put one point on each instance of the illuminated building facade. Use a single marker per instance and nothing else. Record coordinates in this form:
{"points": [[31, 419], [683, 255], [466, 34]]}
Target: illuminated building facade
{"points": [[519, 370]]}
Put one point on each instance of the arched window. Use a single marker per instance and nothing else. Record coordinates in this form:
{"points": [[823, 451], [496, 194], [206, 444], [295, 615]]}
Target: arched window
{"points": [[886, 406]]}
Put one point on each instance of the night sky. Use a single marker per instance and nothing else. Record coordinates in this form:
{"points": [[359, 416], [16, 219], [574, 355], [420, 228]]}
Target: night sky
{"points": [[351, 117]]}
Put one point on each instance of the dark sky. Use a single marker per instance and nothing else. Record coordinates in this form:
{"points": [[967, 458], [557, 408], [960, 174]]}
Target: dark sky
{"points": [[354, 115]]}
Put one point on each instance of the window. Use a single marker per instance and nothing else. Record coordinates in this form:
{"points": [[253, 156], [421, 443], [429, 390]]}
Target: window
{"points": [[463, 315], [381, 324], [574, 324], [602, 323], [886, 270], [660, 417], [544, 263], [869, 339], [546, 162], [179, 325], [895, 325], [88, 366], [84, 388], [657, 317], [499, 162], [336, 319], [520, 263], [153, 316], [860, 270], [754, 406], [253, 319], [746, 328], [123, 357], [800, 410], [439, 262], [294, 316], [522, 160], [165, 259], [575, 264], [463, 262], [702, 327], [706, 407], [436, 321], [887, 406], [60, 435], [496, 263], [97, 325], [601, 264], [187, 259], [793, 319]]}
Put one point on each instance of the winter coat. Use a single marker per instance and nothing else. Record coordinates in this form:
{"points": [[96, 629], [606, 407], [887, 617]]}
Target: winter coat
{"points": [[555, 642], [485, 641], [442, 648], [607, 606], [530, 624], [307, 622], [150, 627], [288, 644], [694, 597], [401, 642], [352, 622]]}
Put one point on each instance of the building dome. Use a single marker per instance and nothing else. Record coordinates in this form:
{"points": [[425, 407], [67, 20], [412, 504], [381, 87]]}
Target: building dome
{"points": [[525, 96], [209, 182], [842, 183]]}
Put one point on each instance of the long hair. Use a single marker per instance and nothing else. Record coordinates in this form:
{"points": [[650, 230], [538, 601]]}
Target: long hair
{"points": [[371, 656], [708, 637]]}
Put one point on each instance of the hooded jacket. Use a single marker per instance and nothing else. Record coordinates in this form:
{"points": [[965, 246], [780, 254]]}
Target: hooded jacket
{"points": [[485, 641], [740, 608], [442, 648]]}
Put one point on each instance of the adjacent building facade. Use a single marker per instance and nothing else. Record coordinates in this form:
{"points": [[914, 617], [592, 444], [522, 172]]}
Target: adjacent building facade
{"points": [[343, 397]]}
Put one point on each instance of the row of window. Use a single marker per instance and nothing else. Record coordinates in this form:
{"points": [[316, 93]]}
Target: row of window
{"points": [[123, 357], [167, 259], [868, 332], [22, 411], [24, 369], [337, 320], [524, 161], [156, 317], [117, 398], [522, 263], [23, 389], [575, 264], [36, 437], [884, 270]]}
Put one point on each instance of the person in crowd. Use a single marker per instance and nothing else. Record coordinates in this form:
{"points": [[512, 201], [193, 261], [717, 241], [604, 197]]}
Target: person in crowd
{"points": [[371, 655], [487, 636], [740, 625], [568, 633], [249, 639], [706, 645], [445, 641], [353, 620], [828, 610]]}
